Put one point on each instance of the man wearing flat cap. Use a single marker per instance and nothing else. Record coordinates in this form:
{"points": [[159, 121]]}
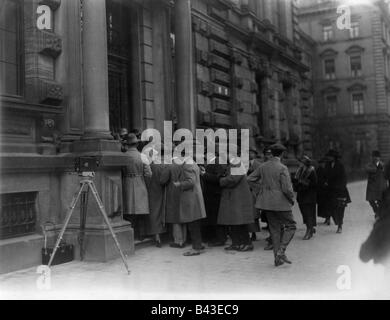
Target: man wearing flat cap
{"points": [[376, 182], [276, 198]]}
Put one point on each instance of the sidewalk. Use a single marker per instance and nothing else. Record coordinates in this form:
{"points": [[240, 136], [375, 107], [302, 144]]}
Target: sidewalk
{"points": [[164, 273]]}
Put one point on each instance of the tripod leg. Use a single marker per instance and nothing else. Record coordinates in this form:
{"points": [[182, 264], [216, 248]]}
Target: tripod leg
{"points": [[83, 219], [66, 222], [103, 212]]}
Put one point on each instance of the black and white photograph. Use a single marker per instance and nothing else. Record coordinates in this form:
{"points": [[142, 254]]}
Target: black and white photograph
{"points": [[204, 150]]}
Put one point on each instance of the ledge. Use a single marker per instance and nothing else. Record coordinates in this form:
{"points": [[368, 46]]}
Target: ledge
{"points": [[19, 104]]}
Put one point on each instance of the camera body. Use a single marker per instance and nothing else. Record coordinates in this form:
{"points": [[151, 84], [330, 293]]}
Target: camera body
{"points": [[86, 164]]}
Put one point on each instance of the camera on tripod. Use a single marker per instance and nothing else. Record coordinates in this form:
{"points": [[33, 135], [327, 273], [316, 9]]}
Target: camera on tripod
{"points": [[86, 165]]}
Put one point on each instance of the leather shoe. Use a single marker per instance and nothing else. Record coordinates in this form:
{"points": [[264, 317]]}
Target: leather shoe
{"points": [[278, 261], [339, 229], [230, 248], [269, 247], [246, 247], [284, 258]]}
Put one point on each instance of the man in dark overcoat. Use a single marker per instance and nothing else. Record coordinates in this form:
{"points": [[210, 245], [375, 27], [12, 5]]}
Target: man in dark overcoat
{"points": [[337, 186], [212, 232], [376, 182], [276, 198]]}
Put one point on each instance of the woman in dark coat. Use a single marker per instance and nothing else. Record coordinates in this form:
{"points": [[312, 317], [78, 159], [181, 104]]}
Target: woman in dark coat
{"points": [[305, 184], [337, 186], [236, 207]]}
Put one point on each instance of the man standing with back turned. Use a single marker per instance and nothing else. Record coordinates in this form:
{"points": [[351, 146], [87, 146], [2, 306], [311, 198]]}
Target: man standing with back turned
{"points": [[276, 198]]}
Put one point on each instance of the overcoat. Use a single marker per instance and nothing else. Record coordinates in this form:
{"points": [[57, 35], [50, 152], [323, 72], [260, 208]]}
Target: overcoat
{"points": [[155, 221], [305, 184], [169, 174], [337, 182], [137, 200], [236, 207], [376, 182], [322, 193], [276, 191], [191, 198], [212, 191]]}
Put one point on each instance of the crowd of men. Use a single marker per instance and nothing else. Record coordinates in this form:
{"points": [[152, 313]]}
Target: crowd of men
{"points": [[212, 205]]}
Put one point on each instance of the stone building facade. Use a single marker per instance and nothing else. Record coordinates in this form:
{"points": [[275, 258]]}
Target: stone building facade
{"points": [[351, 79], [107, 64]]}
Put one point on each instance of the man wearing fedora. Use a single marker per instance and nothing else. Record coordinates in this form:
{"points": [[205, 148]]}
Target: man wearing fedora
{"points": [[337, 187], [276, 198], [136, 170], [305, 184], [376, 182]]}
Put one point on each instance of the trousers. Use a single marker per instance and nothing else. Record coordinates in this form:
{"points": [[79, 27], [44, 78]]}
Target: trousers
{"points": [[179, 233], [282, 228], [195, 233]]}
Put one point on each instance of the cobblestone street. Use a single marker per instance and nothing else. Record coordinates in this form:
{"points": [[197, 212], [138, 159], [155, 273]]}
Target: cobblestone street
{"points": [[164, 273]]}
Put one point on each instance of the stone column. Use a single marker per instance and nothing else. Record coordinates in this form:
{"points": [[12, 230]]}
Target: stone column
{"points": [[184, 65], [95, 70]]}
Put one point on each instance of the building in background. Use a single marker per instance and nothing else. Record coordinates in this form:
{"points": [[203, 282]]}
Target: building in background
{"points": [[102, 65], [351, 79]]}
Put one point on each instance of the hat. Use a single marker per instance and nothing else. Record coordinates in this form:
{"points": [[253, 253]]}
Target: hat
{"points": [[306, 160], [131, 139], [277, 147], [333, 153], [376, 154], [123, 131], [266, 150]]}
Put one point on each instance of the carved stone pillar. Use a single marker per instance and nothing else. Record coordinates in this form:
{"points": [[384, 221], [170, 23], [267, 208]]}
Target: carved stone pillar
{"points": [[184, 65], [95, 70]]}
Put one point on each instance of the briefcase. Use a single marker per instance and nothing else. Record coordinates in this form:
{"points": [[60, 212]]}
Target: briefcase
{"points": [[65, 252]]}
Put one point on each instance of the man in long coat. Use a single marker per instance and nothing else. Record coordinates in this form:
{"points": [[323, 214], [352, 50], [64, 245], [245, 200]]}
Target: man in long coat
{"points": [[170, 174], [376, 182], [276, 198], [254, 163], [337, 186], [137, 169], [191, 205], [212, 232], [236, 207]]}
